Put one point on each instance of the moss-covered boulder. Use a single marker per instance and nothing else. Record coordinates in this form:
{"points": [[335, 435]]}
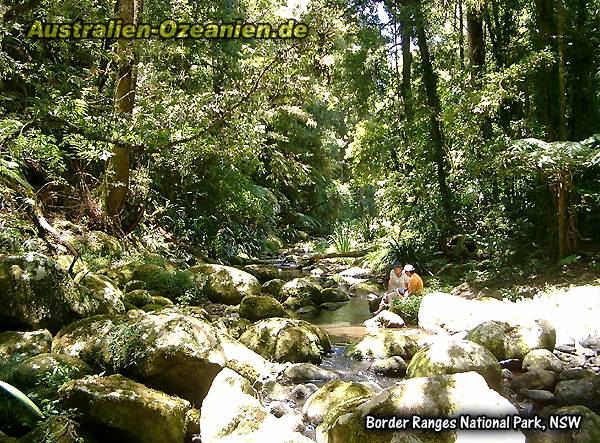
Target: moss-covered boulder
{"points": [[246, 362], [84, 338], [363, 289], [118, 406], [535, 379], [294, 303], [46, 370], [138, 297], [492, 336], [542, 359], [579, 392], [235, 326], [333, 295], [133, 285], [121, 274], [99, 242], [390, 367], [66, 260], [286, 340], [588, 432], [259, 307], [273, 287], [166, 350], [506, 341], [35, 293], [302, 288], [167, 280], [227, 285], [306, 372], [437, 396], [454, 356], [162, 301], [383, 344], [16, 346], [332, 396], [101, 292]]}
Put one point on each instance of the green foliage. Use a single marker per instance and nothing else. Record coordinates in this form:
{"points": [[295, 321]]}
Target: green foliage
{"points": [[177, 284], [408, 308], [342, 238], [403, 249], [234, 141], [569, 260], [124, 347]]}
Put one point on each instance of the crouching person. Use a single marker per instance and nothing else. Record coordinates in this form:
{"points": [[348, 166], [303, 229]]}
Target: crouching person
{"points": [[397, 286]]}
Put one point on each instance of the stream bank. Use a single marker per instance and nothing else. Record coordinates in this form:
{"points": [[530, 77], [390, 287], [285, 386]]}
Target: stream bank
{"points": [[117, 330]]}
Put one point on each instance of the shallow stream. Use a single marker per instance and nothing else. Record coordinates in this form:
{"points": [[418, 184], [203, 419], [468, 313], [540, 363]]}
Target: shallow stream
{"points": [[344, 326]]}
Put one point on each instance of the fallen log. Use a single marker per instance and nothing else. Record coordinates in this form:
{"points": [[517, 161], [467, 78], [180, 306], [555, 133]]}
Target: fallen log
{"points": [[350, 254]]}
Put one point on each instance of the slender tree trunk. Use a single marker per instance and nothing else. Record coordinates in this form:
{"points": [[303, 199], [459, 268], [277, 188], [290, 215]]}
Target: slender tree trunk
{"points": [[437, 134], [406, 29], [562, 90], [398, 82], [461, 35], [117, 173], [562, 237], [494, 31]]}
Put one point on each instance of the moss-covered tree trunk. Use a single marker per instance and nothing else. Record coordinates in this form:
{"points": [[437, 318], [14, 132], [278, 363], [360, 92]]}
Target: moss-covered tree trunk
{"points": [[117, 172]]}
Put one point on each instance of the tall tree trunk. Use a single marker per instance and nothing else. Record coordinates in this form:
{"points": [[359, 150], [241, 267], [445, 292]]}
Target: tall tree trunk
{"points": [[562, 90], [495, 32], [406, 29], [461, 35], [546, 28], [437, 134], [581, 68], [117, 173], [476, 42]]}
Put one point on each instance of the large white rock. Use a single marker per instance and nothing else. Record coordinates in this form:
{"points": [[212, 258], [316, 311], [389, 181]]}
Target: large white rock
{"points": [[232, 412], [385, 319], [438, 396], [440, 311]]}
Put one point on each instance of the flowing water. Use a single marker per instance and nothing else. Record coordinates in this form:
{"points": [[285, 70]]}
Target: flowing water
{"points": [[344, 326]]}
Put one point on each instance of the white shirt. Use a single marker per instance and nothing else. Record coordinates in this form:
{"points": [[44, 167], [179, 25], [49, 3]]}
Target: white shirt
{"points": [[398, 282]]}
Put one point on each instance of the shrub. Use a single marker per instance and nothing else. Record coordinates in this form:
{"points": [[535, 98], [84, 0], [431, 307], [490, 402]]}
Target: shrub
{"points": [[408, 308]]}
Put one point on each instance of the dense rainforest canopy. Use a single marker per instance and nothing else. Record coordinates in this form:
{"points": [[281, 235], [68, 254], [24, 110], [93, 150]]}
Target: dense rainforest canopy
{"points": [[466, 128]]}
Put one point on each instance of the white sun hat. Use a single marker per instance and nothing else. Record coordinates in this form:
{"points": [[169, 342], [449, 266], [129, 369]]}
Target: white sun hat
{"points": [[409, 268]]}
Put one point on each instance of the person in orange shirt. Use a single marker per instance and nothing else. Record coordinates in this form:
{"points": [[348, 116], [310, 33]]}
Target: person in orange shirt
{"points": [[415, 282]]}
